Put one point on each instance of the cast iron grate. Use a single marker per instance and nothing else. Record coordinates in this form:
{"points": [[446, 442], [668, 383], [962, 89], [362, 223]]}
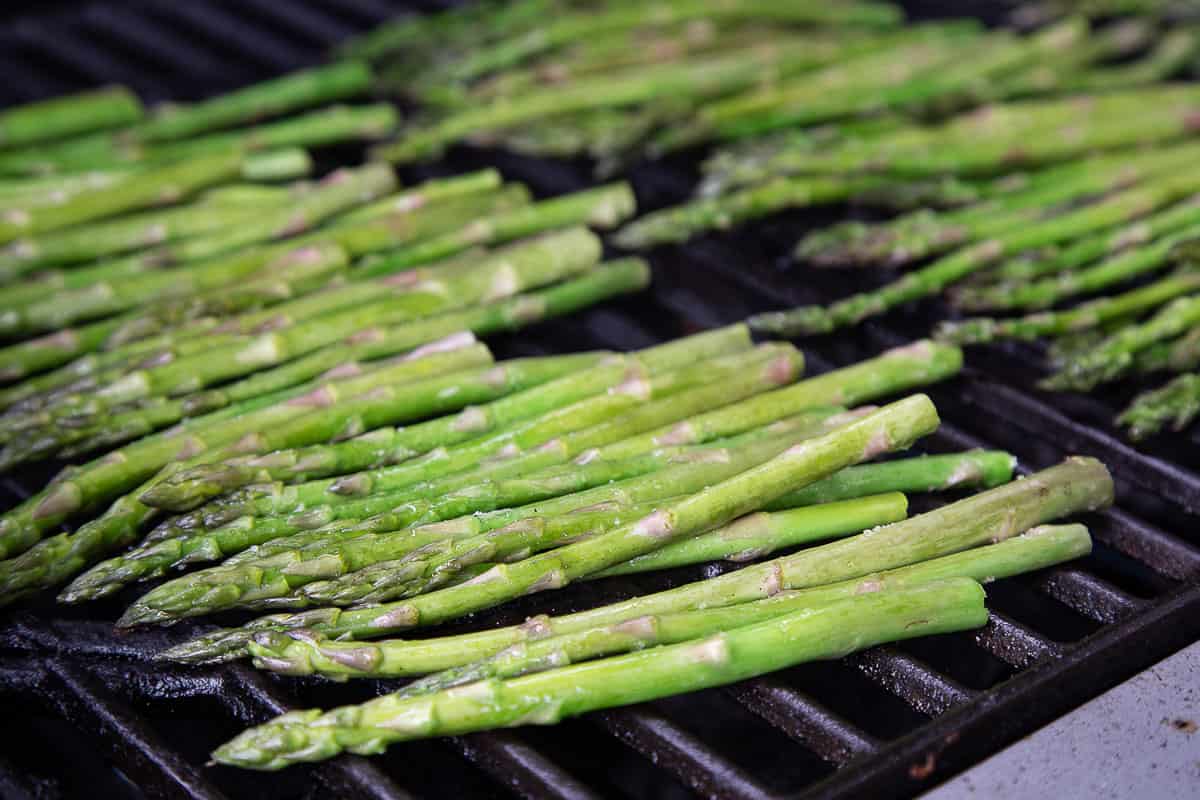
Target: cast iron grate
{"points": [[103, 718]]}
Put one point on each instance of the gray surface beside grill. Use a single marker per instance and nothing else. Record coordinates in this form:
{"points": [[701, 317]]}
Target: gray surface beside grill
{"points": [[1138, 740]]}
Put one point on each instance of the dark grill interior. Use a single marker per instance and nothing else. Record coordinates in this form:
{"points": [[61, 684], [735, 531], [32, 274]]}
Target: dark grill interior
{"points": [[96, 716]]}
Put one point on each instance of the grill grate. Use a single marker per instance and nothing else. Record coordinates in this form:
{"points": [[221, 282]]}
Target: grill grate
{"points": [[886, 722]]}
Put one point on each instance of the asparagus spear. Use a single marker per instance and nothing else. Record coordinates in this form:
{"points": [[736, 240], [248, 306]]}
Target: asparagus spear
{"points": [[918, 364], [1122, 207], [547, 697], [576, 27], [1175, 403], [326, 126], [1179, 355], [1087, 250], [272, 581], [589, 556], [188, 489], [197, 545], [1078, 484], [601, 207], [34, 123], [143, 189], [59, 557], [1122, 267], [540, 262], [1086, 316], [1038, 548], [104, 478], [340, 190], [702, 77], [266, 99], [1022, 133], [1114, 356], [391, 493]]}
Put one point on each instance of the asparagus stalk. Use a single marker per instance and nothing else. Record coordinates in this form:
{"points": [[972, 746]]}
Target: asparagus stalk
{"points": [[1090, 249], [1180, 355], [600, 552], [540, 262], [570, 28], [266, 99], [1038, 548], [1078, 484], [382, 447], [897, 370], [602, 207], [925, 233], [105, 478], [35, 123], [1084, 317], [1115, 356], [949, 269], [758, 535], [141, 190], [1175, 404], [340, 190], [58, 558], [391, 493], [154, 555], [547, 697], [1122, 267], [272, 581]]}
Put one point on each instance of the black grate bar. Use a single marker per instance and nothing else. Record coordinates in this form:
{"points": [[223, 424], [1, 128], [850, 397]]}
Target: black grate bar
{"points": [[832, 737], [671, 747], [154, 42], [304, 21], [519, 766], [1176, 484], [1093, 597], [254, 700], [127, 738], [1013, 643], [1046, 690], [215, 23], [924, 689], [63, 45], [1157, 549]]}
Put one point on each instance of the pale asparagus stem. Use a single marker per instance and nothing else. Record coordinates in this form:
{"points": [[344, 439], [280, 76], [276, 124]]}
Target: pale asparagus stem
{"points": [[1078, 484], [189, 488], [1084, 317], [1115, 356], [1173, 404], [1038, 548], [1121, 207], [547, 697]]}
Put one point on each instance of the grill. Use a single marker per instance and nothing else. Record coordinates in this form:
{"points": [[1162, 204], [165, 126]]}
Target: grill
{"points": [[101, 718]]}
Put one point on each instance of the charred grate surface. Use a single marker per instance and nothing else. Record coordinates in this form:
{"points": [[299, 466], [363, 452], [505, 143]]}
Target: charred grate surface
{"points": [[105, 719]]}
